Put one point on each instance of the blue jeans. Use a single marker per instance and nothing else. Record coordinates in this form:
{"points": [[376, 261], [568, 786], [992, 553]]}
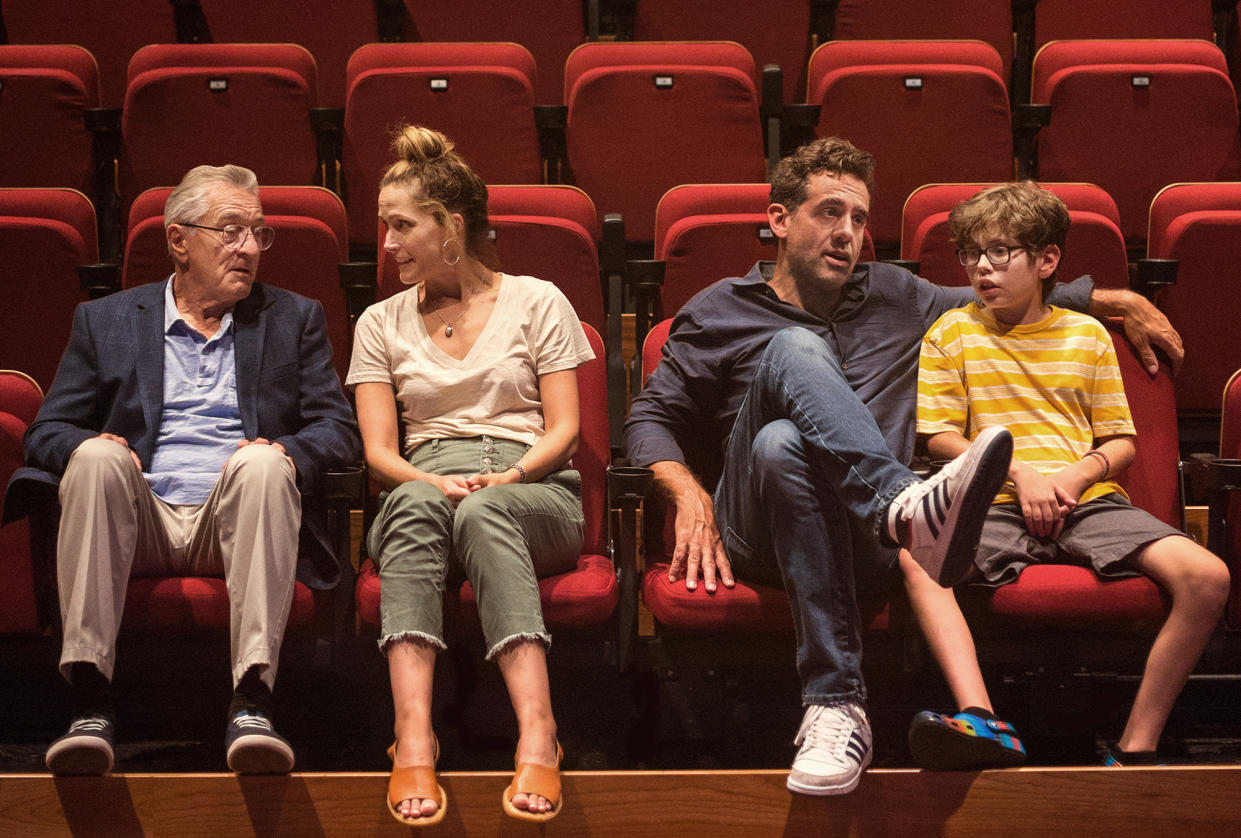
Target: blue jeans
{"points": [[806, 484]]}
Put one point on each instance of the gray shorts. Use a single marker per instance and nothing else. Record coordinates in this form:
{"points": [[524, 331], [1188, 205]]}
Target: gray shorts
{"points": [[1103, 533]]}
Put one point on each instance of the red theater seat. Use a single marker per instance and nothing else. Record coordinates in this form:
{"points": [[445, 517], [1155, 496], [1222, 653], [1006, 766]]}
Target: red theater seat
{"points": [[903, 101], [1225, 512], [1056, 20], [1199, 224], [46, 235], [644, 117], [1093, 246], [584, 598], [45, 92], [247, 104], [1133, 116], [20, 398]]}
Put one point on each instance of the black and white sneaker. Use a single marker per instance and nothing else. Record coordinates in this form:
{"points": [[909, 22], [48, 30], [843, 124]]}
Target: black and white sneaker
{"points": [[940, 519], [86, 749], [834, 749], [254, 747]]}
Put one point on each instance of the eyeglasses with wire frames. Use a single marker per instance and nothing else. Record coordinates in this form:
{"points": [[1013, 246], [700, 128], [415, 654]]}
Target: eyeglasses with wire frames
{"points": [[234, 235], [997, 254]]}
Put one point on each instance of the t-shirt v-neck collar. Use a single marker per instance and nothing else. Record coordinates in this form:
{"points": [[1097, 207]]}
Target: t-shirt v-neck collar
{"points": [[434, 349]]}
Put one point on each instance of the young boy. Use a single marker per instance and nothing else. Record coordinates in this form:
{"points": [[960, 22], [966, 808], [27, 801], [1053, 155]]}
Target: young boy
{"points": [[1051, 377]]}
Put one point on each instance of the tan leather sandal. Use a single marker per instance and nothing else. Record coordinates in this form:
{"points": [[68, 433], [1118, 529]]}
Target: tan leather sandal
{"points": [[415, 782], [542, 780]]}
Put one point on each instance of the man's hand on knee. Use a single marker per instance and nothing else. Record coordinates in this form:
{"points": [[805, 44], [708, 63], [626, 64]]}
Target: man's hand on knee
{"points": [[121, 440], [262, 441]]}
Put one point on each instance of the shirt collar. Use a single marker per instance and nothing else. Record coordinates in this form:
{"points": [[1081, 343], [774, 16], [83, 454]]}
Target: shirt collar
{"points": [[172, 316], [851, 296]]}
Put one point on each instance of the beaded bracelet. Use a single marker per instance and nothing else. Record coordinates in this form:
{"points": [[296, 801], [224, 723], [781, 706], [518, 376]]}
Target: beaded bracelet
{"points": [[1107, 464], [520, 471]]}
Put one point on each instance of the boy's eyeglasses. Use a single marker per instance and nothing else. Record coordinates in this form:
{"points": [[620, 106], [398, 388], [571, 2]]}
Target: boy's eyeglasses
{"points": [[235, 234], [997, 254]]}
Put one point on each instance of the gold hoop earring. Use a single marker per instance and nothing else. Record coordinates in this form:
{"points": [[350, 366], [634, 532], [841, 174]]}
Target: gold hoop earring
{"points": [[445, 257]]}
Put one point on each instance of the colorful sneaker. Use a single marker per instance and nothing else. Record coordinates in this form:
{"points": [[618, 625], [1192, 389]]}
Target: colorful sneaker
{"points": [[86, 749], [254, 747], [939, 519], [835, 748], [942, 742], [1114, 757]]}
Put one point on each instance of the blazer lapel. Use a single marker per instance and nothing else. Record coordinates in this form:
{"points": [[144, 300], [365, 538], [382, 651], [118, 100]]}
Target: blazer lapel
{"points": [[249, 330], [149, 331]]}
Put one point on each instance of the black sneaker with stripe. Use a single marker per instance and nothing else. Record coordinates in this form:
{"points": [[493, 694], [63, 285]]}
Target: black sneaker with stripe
{"points": [[940, 519], [254, 747], [86, 749]]}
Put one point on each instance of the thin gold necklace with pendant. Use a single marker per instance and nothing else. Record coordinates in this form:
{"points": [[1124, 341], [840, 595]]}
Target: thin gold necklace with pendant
{"points": [[448, 326]]}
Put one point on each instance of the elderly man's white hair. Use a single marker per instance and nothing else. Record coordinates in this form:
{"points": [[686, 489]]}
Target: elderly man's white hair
{"points": [[188, 202]]}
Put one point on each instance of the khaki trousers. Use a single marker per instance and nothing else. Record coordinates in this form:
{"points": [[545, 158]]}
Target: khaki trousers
{"points": [[112, 527]]}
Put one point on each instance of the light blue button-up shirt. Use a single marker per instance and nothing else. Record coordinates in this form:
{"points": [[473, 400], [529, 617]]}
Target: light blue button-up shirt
{"points": [[201, 422]]}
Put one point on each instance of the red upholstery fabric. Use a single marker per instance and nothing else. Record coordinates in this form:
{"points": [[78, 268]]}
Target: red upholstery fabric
{"points": [[705, 232], [902, 101], [20, 398], [773, 32], [247, 104], [583, 597], [1124, 113], [985, 20], [46, 90], [45, 236], [330, 29], [1093, 246], [311, 240], [1230, 448], [549, 29], [191, 603], [486, 107], [1199, 224], [111, 31], [1064, 19], [18, 614], [644, 117]]}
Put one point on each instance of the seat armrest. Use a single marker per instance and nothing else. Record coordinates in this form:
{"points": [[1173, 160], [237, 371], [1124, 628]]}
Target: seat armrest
{"points": [[628, 487], [1153, 274]]}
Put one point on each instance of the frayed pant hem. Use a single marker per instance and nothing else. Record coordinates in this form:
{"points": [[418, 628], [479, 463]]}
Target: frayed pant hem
{"points": [[388, 641], [520, 637]]}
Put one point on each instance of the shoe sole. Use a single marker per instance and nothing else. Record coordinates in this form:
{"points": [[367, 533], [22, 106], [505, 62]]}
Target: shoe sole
{"points": [[259, 754], [966, 518], [828, 791], [937, 747], [86, 756]]}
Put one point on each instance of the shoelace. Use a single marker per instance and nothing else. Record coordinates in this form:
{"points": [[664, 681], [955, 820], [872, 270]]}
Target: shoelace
{"points": [[88, 726], [247, 719], [831, 732]]}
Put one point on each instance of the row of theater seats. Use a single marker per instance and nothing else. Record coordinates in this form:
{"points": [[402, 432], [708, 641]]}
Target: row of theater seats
{"points": [[1057, 616], [781, 32], [638, 118], [702, 233]]}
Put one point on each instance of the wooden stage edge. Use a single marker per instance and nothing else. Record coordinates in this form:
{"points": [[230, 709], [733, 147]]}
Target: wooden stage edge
{"points": [[1185, 801]]}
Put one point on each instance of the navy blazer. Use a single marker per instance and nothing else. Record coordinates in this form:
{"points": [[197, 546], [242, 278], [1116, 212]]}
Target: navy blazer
{"points": [[111, 380]]}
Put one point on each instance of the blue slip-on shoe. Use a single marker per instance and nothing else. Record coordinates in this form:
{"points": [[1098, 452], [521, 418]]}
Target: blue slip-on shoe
{"points": [[942, 742]]}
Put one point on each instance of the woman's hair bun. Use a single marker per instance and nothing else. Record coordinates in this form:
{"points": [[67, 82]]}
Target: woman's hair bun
{"points": [[417, 144]]}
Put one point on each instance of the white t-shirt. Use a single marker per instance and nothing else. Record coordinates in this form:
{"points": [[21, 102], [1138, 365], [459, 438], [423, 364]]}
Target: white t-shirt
{"points": [[494, 389]]}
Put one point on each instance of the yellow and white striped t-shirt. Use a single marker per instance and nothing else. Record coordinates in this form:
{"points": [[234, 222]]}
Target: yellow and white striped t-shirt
{"points": [[1054, 384]]}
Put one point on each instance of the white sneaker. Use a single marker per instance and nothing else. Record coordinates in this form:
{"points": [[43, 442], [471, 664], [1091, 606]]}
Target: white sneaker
{"points": [[940, 519], [834, 750]]}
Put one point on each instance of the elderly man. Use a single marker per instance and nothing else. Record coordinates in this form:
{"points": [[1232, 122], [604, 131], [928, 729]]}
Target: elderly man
{"points": [[185, 421], [802, 374]]}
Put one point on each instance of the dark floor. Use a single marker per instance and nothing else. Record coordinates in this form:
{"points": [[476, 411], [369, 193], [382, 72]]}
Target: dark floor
{"points": [[172, 698]]}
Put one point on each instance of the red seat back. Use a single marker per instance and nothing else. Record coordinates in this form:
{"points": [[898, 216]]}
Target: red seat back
{"points": [[549, 29], [644, 117], [902, 101], [1057, 20], [310, 242], [1093, 246], [45, 236], [708, 231], [1134, 116], [247, 104], [1230, 448], [481, 95], [775, 32], [44, 93], [1199, 224], [985, 20], [111, 31], [20, 398]]}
